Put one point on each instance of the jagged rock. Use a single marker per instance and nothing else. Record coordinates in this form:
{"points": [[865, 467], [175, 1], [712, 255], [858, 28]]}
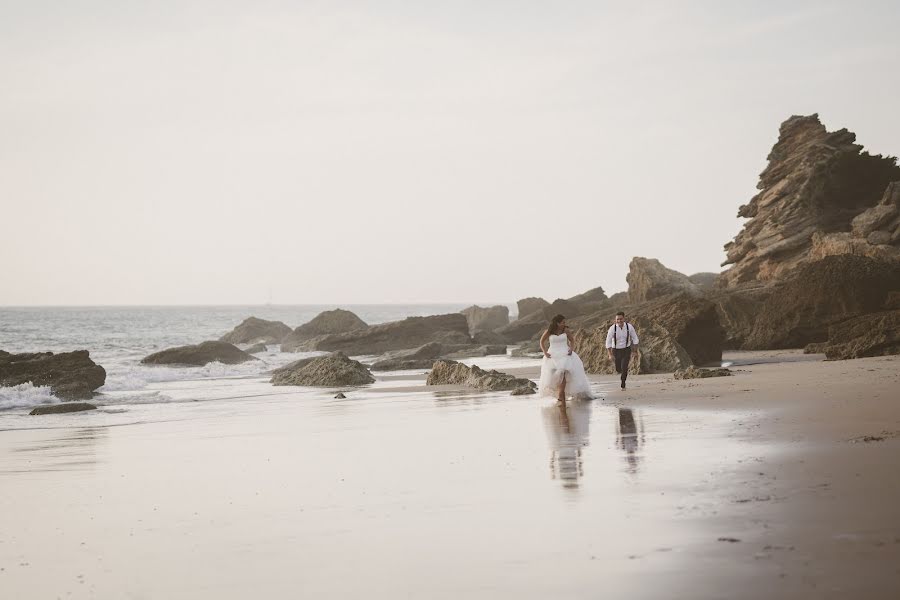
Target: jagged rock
{"points": [[820, 294], [253, 330], [523, 390], [323, 371], [474, 351], [529, 306], [648, 279], [340, 396], [486, 319], [524, 328], [693, 372], [872, 219], [256, 348], [879, 237], [445, 372], [693, 321], [329, 322], [592, 296], [70, 375], [816, 182], [199, 355], [874, 334], [704, 281], [398, 335], [739, 310], [64, 407]]}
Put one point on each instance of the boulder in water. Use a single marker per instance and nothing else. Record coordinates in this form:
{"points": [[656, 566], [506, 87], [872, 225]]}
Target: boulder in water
{"points": [[253, 330], [64, 407], [411, 332], [199, 355], [70, 375]]}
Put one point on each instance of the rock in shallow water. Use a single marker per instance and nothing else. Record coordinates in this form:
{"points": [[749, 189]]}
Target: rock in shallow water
{"points": [[199, 355], [323, 371], [70, 375], [65, 407], [253, 330], [450, 372]]}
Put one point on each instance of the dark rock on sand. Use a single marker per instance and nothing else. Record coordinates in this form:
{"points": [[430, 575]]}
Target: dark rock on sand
{"points": [[874, 334], [449, 372], [398, 335], [486, 319], [253, 330], [327, 323], [695, 373], [323, 371], [70, 375], [819, 295], [65, 407], [199, 355]]}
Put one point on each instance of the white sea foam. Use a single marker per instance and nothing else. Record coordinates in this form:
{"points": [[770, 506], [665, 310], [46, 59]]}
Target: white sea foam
{"points": [[25, 395]]}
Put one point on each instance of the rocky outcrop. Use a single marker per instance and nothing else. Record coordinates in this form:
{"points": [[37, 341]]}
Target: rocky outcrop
{"points": [[256, 348], [648, 279], [486, 319], [592, 296], [819, 295], [323, 371], [816, 182], [529, 306], [449, 372], [739, 311], [704, 281], [483, 338], [524, 328], [330, 322], [695, 373], [874, 334], [64, 407], [253, 330], [199, 355], [398, 335], [70, 375]]}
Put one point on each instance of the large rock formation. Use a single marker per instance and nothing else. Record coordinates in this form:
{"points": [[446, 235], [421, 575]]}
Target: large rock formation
{"points": [[874, 334], [417, 358], [528, 306], [70, 375], [450, 372], [326, 323], [323, 371], [486, 319], [874, 233], [253, 331], [524, 328], [816, 182], [398, 335], [648, 279], [199, 355], [819, 295], [704, 281], [658, 352]]}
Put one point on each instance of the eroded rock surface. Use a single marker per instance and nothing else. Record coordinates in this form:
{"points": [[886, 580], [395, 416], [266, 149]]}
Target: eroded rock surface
{"points": [[70, 375]]}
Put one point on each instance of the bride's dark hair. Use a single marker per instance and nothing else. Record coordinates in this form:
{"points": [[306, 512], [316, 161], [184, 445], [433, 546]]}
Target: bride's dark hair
{"points": [[554, 324]]}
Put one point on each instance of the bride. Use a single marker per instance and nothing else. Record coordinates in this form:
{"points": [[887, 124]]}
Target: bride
{"points": [[562, 372]]}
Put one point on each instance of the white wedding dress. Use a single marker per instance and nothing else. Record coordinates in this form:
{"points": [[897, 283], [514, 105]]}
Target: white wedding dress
{"points": [[559, 363]]}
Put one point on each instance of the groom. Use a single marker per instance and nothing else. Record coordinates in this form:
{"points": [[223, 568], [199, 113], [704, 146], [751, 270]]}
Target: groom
{"points": [[620, 339]]}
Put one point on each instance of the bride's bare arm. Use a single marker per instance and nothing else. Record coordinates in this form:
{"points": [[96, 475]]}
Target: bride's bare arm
{"points": [[544, 343]]}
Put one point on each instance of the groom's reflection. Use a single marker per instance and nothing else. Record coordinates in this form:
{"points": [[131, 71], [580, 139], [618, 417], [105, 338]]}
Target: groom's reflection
{"points": [[630, 438], [568, 430]]}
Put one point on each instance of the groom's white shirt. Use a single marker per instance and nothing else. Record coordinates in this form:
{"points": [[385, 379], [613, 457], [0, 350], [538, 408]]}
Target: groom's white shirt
{"points": [[617, 336]]}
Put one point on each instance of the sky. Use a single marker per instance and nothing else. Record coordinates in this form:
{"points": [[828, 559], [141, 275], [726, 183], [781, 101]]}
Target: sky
{"points": [[200, 152]]}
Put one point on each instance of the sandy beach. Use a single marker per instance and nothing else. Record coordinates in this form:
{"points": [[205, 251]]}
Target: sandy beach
{"points": [[763, 484]]}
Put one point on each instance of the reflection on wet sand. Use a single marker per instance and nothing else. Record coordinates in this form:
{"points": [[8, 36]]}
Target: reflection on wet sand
{"points": [[64, 450], [568, 431], [630, 438]]}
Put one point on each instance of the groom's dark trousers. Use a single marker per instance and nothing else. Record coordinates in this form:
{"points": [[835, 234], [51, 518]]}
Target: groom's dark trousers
{"points": [[622, 358]]}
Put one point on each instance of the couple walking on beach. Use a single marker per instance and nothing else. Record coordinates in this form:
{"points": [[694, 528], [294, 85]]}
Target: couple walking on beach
{"points": [[562, 372]]}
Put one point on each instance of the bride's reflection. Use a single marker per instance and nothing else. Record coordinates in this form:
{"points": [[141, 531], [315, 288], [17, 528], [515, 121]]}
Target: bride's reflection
{"points": [[630, 438], [568, 430]]}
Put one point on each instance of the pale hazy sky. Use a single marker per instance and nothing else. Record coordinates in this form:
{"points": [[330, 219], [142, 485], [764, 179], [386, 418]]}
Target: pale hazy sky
{"points": [[351, 152]]}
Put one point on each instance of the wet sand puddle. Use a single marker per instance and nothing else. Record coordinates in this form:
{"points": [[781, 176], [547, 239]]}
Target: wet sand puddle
{"points": [[421, 494]]}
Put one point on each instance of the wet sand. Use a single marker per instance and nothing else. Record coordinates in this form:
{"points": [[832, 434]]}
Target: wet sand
{"points": [[408, 491]]}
